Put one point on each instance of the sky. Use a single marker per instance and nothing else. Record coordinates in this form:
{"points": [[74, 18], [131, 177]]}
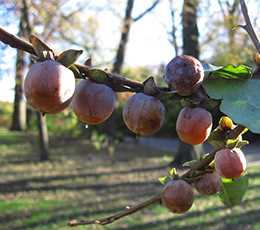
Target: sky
{"points": [[148, 42]]}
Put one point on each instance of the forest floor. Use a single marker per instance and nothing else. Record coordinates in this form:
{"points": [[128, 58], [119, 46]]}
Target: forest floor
{"points": [[79, 182]]}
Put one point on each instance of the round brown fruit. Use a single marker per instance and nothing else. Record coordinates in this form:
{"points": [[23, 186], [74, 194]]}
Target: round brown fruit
{"points": [[184, 74], [177, 196], [93, 103], [143, 114], [49, 86], [208, 184], [193, 125], [230, 163]]}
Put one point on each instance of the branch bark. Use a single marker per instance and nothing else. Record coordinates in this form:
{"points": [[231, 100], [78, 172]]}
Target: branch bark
{"points": [[116, 79], [248, 26], [149, 9]]}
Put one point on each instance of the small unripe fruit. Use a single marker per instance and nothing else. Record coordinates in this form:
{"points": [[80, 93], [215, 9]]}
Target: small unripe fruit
{"points": [[184, 74], [226, 123], [143, 114], [256, 58], [193, 125], [230, 163], [208, 184], [177, 196], [49, 86], [93, 103]]}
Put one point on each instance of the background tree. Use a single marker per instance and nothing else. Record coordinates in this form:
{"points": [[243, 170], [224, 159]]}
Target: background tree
{"points": [[19, 106], [126, 25], [190, 46]]}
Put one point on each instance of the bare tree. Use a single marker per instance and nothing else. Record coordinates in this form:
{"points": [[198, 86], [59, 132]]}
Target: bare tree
{"points": [[41, 120], [190, 32], [127, 22], [19, 106]]}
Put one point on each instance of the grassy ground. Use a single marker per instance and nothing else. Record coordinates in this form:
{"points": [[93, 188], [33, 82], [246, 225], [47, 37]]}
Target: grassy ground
{"points": [[81, 183]]}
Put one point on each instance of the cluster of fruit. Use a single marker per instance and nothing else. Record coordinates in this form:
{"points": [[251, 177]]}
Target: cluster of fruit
{"points": [[50, 88], [178, 195]]}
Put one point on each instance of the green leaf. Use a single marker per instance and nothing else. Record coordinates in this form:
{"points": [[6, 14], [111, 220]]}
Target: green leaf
{"points": [[68, 57], [208, 68], [98, 75], [164, 179], [75, 71], [217, 138], [233, 190], [241, 72], [241, 144], [239, 100], [189, 163], [172, 172]]}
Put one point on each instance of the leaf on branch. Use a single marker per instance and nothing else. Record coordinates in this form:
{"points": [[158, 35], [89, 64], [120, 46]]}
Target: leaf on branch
{"points": [[209, 68], [150, 87], [42, 50], [98, 76], [68, 57], [239, 100], [172, 172], [239, 72], [189, 163], [164, 179], [233, 190], [75, 71], [236, 143], [217, 138]]}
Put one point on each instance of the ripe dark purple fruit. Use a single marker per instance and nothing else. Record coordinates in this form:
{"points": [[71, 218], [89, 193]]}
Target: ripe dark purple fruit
{"points": [[143, 114], [193, 125], [208, 184], [93, 103], [230, 163], [177, 196], [184, 74], [49, 86]]}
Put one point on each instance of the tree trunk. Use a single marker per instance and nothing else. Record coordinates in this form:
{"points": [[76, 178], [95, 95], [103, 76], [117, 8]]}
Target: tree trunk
{"points": [[190, 28], [41, 120], [43, 137], [120, 55], [29, 117], [19, 106], [190, 35]]}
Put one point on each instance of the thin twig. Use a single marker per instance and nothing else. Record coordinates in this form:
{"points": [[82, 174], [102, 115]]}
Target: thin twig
{"points": [[248, 26], [119, 215]]}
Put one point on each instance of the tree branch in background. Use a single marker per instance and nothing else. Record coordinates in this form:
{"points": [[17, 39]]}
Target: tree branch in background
{"points": [[172, 33], [146, 11], [222, 8], [248, 26]]}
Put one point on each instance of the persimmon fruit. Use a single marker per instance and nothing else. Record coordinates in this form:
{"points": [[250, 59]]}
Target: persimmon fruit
{"points": [[49, 86]]}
